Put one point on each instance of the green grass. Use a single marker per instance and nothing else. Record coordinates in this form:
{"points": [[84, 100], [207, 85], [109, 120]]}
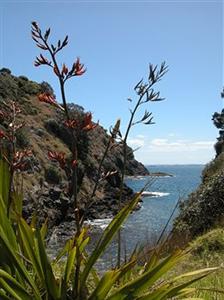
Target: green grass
{"points": [[211, 287], [208, 251]]}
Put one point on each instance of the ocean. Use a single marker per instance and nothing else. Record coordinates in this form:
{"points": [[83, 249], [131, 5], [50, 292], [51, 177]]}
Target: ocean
{"points": [[150, 220], [145, 225]]}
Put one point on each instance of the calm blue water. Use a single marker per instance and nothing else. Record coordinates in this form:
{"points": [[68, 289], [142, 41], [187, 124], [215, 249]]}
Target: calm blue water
{"points": [[152, 217], [145, 225]]}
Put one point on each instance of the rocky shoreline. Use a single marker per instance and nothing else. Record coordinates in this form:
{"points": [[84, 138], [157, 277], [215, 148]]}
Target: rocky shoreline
{"points": [[50, 201], [160, 174], [154, 174]]}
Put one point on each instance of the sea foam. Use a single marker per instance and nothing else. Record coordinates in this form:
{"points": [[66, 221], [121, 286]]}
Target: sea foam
{"points": [[154, 194]]}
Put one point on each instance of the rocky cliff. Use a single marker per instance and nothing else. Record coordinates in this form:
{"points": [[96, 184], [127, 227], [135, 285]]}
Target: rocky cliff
{"points": [[44, 181]]}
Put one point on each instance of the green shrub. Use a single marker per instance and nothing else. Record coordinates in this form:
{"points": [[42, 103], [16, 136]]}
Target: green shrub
{"points": [[213, 168], [27, 87], [5, 71], [8, 87], [209, 243], [59, 130], [90, 165], [40, 132], [29, 109], [203, 208], [52, 175], [24, 78], [14, 88], [22, 139], [53, 126], [45, 87]]}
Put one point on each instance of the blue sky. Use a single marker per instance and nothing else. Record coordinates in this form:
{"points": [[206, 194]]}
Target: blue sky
{"points": [[117, 40]]}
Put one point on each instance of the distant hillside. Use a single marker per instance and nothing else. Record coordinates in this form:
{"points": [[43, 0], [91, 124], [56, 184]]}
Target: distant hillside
{"points": [[44, 181]]}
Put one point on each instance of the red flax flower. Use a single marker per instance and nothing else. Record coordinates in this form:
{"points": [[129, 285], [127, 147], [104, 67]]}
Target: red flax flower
{"points": [[71, 123], [19, 160], [57, 156], [50, 99], [64, 70], [56, 71], [78, 68], [88, 124], [2, 134], [41, 61], [74, 163]]}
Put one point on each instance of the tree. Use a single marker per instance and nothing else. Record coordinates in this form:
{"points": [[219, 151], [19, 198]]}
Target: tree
{"points": [[46, 88], [218, 120]]}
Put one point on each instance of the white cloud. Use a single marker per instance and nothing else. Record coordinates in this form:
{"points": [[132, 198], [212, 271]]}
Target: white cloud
{"points": [[169, 150], [136, 142], [159, 142], [164, 145], [204, 143], [171, 134], [140, 136]]}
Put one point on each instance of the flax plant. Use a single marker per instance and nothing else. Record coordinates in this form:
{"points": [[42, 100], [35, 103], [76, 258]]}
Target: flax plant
{"points": [[77, 69], [17, 159], [26, 271], [145, 94]]}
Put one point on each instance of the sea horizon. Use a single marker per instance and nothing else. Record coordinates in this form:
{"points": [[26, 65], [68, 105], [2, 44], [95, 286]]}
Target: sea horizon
{"points": [[176, 164]]}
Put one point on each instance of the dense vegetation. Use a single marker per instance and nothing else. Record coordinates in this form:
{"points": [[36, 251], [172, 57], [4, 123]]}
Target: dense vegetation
{"points": [[200, 221]]}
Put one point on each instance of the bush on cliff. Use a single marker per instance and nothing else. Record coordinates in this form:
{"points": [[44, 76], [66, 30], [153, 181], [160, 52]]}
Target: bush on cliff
{"points": [[204, 208]]}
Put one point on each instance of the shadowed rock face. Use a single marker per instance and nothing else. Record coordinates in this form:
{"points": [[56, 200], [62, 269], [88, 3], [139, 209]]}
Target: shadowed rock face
{"points": [[45, 185]]}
